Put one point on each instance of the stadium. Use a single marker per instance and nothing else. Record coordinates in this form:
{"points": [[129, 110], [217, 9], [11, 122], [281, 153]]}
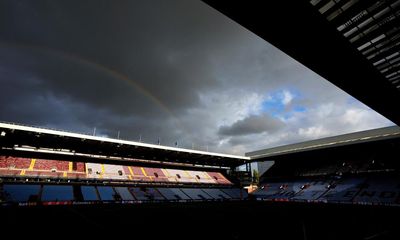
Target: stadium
{"points": [[347, 186]]}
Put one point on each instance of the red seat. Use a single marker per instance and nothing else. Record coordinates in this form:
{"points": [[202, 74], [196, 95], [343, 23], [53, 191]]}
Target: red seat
{"points": [[219, 178], [13, 162], [41, 164]]}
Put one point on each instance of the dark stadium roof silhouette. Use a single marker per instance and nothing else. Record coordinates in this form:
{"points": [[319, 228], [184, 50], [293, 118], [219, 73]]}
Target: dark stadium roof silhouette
{"points": [[352, 44]]}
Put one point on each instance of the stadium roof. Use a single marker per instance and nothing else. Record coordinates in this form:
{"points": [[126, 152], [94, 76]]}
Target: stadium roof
{"points": [[358, 138], [353, 44], [18, 140]]}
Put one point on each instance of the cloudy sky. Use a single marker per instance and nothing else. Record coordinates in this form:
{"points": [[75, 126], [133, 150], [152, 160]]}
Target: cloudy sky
{"points": [[174, 70]]}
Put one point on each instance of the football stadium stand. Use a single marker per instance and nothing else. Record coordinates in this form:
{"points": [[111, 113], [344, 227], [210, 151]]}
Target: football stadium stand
{"points": [[344, 187], [297, 176], [69, 174], [124, 179], [356, 170], [24, 167]]}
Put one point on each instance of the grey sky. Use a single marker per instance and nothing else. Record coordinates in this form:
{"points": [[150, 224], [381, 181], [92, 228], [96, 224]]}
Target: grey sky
{"points": [[176, 70]]}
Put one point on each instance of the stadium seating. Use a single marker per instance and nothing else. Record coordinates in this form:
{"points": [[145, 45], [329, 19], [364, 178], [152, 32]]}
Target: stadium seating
{"points": [[372, 181], [312, 190], [76, 175], [172, 184], [89, 193], [280, 190], [170, 194], [379, 190], [14, 163], [375, 190], [179, 176], [154, 194], [51, 165], [20, 193], [77, 170], [201, 177], [196, 194], [219, 178], [155, 174], [216, 193], [57, 193], [176, 193], [124, 193], [94, 170], [343, 190], [298, 190], [10, 172], [107, 193], [113, 172], [330, 183], [78, 167], [18, 167], [235, 193], [268, 190], [46, 174]]}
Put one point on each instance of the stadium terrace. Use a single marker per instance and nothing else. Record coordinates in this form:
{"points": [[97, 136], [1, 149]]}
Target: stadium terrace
{"points": [[342, 187]]}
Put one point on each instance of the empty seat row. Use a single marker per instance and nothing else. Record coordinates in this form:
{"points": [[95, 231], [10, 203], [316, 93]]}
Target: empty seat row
{"points": [[34, 193], [347, 190], [10, 166]]}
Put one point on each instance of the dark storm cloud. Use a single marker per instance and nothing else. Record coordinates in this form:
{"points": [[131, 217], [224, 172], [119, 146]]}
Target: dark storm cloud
{"points": [[159, 45], [115, 65], [171, 69], [252, 124]]}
